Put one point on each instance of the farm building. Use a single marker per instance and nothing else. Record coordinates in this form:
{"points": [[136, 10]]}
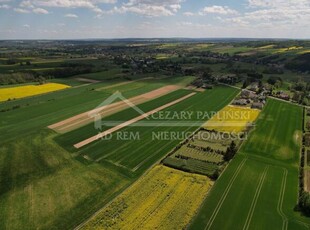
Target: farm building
{"points": [[207, 86], [246, 94], [257, 105], [240, 102]]}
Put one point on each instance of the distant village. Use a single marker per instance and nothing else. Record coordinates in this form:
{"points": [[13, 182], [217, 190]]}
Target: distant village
{"points": [[254, 96]]}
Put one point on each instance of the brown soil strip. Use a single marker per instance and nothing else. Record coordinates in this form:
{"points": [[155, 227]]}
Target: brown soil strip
{"points": [[129, 122], [84, 118], [86, 80], [114, 85]]}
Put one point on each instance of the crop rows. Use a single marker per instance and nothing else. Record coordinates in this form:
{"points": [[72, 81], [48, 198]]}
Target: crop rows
{"points": [[193, 153], [245, 203], [164, 198]]}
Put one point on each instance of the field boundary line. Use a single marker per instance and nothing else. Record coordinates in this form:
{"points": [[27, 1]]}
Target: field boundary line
{"points": [[152, 155], [255, 198], [223, 197]]}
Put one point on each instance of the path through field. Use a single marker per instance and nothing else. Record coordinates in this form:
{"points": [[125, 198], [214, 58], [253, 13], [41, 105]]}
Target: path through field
{"points": [[106, 110], [127, 123]]}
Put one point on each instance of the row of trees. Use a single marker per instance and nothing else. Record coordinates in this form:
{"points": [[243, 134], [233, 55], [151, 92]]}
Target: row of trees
{"points": [[18, 78]]}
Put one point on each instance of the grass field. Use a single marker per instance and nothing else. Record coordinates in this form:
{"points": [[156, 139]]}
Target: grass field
{"points": [[164, 198], [259, 188], [131, 155], [232, 119], [43, 110], [43, 187], [12, 93]]}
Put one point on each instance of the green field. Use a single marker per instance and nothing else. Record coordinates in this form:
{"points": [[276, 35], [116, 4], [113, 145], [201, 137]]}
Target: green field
{"points": [[47, 183], [259, 188], [40, 111], [189, 152], [44, 186], [131, 155]]}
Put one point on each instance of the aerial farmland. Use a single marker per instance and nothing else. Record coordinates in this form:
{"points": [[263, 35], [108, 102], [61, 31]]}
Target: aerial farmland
{"points": [[178, 134]]}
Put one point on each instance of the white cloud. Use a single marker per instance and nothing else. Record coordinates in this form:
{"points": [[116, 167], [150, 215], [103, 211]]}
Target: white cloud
{"points": [[22, 11], [26, 4], [40, 11], [277, 3], [5, 6], [224, 10], [175, 7], [188, 14], [71, 16], [150, 8], [26, 26], [276, 12], [185, 23], [89, 4]]}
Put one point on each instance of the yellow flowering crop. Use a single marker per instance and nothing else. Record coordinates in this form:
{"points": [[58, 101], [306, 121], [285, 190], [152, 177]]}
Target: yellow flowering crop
{"points": [[29, 90], [232, 119], [164, 198]]}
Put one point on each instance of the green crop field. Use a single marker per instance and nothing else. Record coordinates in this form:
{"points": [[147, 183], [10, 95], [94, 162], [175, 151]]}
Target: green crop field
{"points": [[56, 172], [191, 165], [198, 154], [35, 170], [43, 110], [259, 188], [131, 155], [43, 187]]}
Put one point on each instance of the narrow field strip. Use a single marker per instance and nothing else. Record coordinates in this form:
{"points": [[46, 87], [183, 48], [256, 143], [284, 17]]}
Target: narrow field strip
{"points": [[127, 123], [281, 198], [86, 80], [85, 118], [225, 193], [254, 201]]}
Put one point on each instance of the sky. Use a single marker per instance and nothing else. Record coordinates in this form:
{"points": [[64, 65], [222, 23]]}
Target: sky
{"points": [[82, 19]]}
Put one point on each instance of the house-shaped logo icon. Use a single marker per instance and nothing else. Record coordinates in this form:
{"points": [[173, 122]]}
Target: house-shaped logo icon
{"points": [[115, 99]]}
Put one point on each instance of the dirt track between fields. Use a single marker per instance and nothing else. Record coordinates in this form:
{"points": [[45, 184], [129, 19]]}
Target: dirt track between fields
{"points": [[106, 110], [86, 80], [129, 122]]}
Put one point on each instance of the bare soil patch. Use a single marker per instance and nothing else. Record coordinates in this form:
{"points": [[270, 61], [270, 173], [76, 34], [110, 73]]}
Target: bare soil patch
{"points": [[87, 80]]}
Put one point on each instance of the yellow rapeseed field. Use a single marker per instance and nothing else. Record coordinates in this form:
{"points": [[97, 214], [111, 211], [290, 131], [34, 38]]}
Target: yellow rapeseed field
{"points": [[164, 198], [232, 119], [282, 50], [29, 90]]}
